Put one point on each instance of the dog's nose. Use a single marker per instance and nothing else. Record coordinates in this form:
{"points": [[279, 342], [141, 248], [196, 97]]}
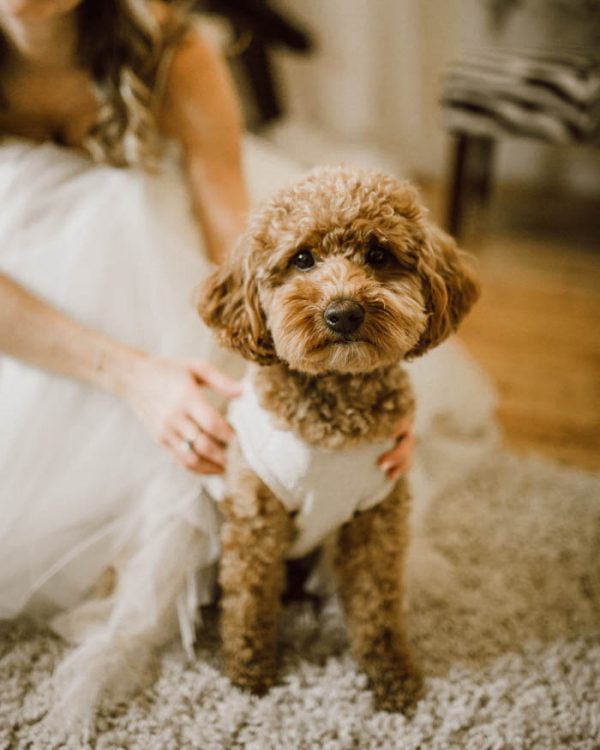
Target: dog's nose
{"points": [[344, 316]]}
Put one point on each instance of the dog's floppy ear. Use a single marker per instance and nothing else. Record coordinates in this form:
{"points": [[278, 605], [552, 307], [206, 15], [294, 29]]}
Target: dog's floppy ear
{"points": [[450, 286], [229, 304]]}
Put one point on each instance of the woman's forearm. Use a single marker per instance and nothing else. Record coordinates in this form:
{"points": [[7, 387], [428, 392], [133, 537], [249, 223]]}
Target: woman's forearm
{"points": [[36, 333]]}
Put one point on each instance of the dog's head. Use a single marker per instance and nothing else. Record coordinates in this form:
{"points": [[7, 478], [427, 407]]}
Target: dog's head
{"points": [[341, 272]]}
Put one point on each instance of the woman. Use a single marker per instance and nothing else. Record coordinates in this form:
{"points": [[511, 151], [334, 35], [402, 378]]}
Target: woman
{"points": [[97, 265]]}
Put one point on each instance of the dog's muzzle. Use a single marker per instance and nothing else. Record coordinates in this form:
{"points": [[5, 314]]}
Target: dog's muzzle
{"points": [[344, 316]]}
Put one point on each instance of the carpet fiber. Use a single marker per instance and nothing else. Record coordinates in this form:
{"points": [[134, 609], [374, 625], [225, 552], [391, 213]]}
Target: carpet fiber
{"points": [[507, 633]]}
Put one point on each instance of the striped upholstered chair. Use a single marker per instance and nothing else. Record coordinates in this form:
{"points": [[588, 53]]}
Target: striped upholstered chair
{"points": [[555, 98]]}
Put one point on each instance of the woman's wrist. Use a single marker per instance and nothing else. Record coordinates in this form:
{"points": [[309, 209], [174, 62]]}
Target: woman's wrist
{"points": [[115, 366]]}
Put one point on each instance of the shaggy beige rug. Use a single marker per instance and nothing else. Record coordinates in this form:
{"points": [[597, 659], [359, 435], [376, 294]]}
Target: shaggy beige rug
{"points": [[509, 638]]}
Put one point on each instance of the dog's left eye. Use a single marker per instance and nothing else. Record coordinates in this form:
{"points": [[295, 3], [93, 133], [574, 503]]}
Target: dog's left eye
{"points": [[303, 260], [378, 256]]}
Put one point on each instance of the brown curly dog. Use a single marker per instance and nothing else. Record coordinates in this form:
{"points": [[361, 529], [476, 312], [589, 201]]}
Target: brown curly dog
{"points": [[338, 279]]}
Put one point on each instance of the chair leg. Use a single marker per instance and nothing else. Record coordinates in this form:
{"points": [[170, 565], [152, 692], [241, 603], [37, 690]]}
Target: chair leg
{"points": [[470, 175], [481, 165], [457, 186]]}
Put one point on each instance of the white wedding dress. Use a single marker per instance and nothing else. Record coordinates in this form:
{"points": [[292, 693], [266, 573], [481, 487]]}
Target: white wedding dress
{"points": [[82, 485]]}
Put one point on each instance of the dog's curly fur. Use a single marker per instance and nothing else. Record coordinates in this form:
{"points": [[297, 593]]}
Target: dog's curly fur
{"points": [[337, 234]]}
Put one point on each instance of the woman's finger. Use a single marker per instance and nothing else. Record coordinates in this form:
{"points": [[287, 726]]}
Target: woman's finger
{"points": [[400, 456], [210, 421], [187, 457], [216, 379], [203, 445], [403, 427], [206, 467]]}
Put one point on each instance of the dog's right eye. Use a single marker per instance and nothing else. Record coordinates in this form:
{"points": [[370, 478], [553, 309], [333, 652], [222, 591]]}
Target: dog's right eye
{"points": [[303, 260], [378, 256]]}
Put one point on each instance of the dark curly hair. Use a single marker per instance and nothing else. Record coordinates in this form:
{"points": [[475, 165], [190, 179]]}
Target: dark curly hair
{"points": [[121, 43]]}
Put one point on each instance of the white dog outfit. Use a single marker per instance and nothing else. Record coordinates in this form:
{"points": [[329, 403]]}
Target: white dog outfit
{"points": [[322, 487]]}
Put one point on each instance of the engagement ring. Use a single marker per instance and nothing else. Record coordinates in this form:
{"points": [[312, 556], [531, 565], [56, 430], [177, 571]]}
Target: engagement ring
{"points": [[187, 445]]}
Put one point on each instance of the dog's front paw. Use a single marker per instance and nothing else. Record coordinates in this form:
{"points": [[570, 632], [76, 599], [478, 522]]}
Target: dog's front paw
{"points": [[396, 687], [253, 671]]}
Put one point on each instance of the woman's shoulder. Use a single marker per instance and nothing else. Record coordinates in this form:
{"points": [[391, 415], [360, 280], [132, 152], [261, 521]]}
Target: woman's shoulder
{"points": [[187, 36], [183, 48], [195, 57], [197, 90]]}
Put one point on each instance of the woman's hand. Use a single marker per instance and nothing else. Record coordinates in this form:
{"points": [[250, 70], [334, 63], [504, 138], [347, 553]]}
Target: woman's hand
{"points": [[398, 461], [167, 396]]}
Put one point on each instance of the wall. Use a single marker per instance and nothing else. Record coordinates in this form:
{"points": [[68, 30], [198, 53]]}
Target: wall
{"points": [[376, 80]]}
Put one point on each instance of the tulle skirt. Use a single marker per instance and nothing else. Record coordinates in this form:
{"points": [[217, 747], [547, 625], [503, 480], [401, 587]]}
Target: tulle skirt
{"points": [[119, 250]]}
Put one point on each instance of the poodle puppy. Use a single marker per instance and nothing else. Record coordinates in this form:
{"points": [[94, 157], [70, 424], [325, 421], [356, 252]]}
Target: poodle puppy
{"points": [[338, 279]]}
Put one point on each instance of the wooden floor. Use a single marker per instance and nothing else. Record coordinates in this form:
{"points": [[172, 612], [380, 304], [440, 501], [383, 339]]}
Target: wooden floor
{"points": [[536, 329]]}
